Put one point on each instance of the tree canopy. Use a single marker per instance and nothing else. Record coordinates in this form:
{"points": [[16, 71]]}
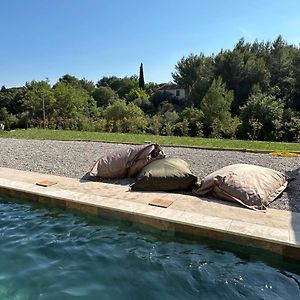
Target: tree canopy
{"points": [[251, 91]]}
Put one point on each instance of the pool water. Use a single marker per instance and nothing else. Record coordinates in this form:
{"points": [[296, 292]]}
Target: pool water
{"points": [[55, 254]]}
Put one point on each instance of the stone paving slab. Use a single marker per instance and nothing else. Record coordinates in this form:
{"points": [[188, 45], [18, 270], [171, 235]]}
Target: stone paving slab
{"points": [[275, 230]]}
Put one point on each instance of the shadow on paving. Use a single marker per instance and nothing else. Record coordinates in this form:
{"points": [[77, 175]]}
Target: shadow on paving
{"points": [[86, 178], [128, 181]]}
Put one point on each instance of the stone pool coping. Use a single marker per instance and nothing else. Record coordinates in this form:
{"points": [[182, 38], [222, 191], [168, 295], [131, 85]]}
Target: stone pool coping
{"points": [[276, 230]]}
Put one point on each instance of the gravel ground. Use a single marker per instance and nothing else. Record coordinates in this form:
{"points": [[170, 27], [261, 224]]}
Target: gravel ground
{"points": [[75, 159]]}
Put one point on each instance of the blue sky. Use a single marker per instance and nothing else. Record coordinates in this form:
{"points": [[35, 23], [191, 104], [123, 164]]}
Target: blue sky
{"points": [[42, 39]]}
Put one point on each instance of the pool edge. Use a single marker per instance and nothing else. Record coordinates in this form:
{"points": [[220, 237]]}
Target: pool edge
{"points": [[283, 240]]}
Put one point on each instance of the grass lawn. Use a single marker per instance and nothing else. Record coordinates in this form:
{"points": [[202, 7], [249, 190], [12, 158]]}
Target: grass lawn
{"points": [[196, 142]]}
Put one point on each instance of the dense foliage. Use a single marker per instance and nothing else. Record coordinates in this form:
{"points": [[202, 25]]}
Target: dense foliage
{"points": [[249, 92]]}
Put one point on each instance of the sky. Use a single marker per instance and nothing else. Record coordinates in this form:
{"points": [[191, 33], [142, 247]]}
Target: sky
{"points": [[46, 39]]}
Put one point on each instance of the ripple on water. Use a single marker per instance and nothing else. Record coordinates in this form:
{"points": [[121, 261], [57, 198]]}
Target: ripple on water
{"points": [[53, 254]]}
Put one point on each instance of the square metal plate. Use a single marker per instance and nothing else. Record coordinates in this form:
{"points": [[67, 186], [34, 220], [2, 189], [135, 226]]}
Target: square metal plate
{"points": [[160, 202], [45, 183]]}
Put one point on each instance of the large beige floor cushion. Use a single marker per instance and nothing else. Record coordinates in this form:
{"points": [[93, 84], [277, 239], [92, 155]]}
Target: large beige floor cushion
{"points": [[126, 162], [253, 186]]}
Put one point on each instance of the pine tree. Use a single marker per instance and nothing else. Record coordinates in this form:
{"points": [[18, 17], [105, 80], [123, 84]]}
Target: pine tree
{"points": [[141, 78], [216, 107]]}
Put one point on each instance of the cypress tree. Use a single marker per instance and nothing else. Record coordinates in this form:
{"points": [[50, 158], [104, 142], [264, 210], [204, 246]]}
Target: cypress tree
{"points": [[141, 78]]}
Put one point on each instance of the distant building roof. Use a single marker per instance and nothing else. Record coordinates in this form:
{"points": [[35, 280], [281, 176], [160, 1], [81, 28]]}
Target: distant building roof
{"points": [[170, 86]]}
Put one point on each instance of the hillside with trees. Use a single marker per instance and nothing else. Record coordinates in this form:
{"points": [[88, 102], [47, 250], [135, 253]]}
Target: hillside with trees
{"points": [[249, 92]]}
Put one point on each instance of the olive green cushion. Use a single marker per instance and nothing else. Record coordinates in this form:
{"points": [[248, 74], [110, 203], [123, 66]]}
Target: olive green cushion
{"points": [[165, 174]]}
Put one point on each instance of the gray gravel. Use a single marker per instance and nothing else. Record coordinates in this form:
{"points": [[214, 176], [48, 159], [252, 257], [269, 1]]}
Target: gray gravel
{"points": [[74, 159]]}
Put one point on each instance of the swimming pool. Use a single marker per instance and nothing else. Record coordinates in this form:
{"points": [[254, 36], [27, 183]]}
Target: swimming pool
{"points": [[55, 254]]}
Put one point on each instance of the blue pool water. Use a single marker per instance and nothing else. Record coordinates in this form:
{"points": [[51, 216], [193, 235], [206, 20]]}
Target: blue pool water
{"points": [[55, 254]]}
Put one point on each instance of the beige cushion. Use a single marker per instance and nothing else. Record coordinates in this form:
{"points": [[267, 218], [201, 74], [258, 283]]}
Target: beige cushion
{"points": [[126, 162], [253, 186]]}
